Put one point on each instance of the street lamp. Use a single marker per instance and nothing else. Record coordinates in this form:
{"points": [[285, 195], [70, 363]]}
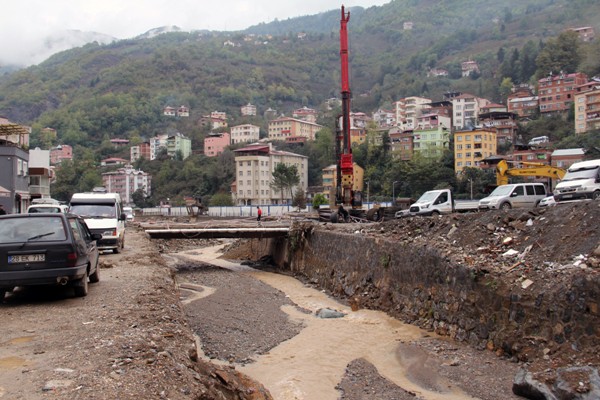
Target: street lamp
{"points": [[394, 192], [368, 182]]}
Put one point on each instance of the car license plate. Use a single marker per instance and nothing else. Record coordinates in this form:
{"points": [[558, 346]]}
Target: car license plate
{"points": [[567, 196], [25, 258]]}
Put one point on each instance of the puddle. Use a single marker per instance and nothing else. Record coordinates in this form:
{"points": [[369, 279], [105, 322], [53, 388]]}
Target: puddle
{"points": [[12, 362], [311, 364], [20, 340]]}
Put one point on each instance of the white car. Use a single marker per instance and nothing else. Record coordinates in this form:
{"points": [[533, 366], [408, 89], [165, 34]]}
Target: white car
{"points": [[547, 202]]}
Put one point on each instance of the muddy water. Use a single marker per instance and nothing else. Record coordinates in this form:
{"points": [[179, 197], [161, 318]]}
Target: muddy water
{"points": [[311, 364]]}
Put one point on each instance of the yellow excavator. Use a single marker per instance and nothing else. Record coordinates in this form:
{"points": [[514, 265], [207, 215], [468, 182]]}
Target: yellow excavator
{"points": [[503, 171]]}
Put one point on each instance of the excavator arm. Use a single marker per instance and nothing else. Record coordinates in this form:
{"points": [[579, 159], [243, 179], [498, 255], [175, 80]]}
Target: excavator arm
{"points": [[503, 171]]}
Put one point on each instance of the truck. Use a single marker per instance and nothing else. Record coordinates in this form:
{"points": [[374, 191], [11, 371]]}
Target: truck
{"points": [[582, 181], [103, 213], [438, 202]]}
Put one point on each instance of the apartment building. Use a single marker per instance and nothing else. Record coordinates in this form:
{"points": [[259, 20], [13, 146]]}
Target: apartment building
{"points": [[384, 118], [173, 143], [409, 109], [305, 114], [60, 153], [564, 158], [14, 179], [505, 124], [587, 108], [127, 181], [522, 101], [465, 110], [254, 166], [402, 144], [40, 173], [431, 140], [472, 146], [245, 133], [139, 151], [285, 127], [248, 110], [14, 133], [215, 143], [329, 177], [556, 92]]}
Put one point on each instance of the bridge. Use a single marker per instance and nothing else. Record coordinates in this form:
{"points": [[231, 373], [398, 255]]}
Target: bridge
{"points": [[235, 229]]}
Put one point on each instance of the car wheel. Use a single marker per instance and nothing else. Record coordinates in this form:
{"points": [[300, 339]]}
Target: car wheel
{"points": [[81, 287], [505, 206], [435, 213], [596, 195], [95, 277]]}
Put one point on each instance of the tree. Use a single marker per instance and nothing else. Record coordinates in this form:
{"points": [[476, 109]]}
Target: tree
{"points": [[285, 178], [319, 200], [221, 199], [299, 200], [560, 54]]}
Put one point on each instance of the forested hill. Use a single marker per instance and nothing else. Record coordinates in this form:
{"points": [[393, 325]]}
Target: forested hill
{"points": [[119, 90]]}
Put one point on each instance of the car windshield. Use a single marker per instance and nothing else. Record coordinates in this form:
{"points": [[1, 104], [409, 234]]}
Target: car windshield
{"points": [[94, 210], [502, 190], [34, 209], [582, 173], [31, 229], [427, 197]]}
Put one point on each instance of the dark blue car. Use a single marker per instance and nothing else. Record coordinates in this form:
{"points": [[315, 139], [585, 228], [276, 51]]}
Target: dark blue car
{"points": [[47, 249]]}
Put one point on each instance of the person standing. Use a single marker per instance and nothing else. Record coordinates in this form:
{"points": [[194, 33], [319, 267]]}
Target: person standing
{"points": [[258, 213]]}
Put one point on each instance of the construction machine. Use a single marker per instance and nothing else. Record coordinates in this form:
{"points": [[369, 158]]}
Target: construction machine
{"points": [[503, 171], [348, 202]]}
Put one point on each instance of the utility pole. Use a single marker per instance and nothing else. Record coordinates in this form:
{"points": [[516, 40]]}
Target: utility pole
{"points": [[394, 192]]}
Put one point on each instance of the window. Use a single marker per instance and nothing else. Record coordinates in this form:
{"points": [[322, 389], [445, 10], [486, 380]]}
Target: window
{"points": [[468, 154], [241, 173], [459, 147], [530, 190]]}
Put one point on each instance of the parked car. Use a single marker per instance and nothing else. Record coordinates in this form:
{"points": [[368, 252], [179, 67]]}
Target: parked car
{"points": [[47, 249], [128, 211], [547, 202], [47, 206], [515, 195]]}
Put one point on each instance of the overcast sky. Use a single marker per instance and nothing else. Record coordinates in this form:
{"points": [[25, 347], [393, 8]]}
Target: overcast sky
{"points": [[27, 23]]}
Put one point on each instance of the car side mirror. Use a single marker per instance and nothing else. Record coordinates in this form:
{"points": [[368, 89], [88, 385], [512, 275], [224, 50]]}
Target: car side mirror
{"points": [[96, 236], [514, 194]]}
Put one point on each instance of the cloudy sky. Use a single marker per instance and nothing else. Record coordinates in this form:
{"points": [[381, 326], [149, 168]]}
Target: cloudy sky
{"points": [[26, 24]]}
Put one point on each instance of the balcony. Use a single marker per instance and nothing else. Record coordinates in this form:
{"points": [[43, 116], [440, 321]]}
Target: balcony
{"points": [[41, 190]]}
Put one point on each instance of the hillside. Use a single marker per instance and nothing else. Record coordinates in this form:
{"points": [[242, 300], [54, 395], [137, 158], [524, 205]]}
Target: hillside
{"points": [[119, 89]]}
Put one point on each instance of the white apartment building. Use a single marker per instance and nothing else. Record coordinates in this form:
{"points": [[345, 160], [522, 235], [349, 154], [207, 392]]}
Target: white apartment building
{"points": [[126, 181], [245, 133], [465, 110], [254, 166], [409, 109], [248, 110]]}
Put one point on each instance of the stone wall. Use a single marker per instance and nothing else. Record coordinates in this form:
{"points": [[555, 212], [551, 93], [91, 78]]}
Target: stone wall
{"points": [[421, 286]]}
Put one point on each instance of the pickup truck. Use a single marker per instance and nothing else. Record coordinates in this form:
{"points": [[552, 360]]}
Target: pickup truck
{"points": [[437, 202]]}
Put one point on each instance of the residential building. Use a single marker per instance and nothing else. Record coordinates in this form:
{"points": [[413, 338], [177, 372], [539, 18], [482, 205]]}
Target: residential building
{"points": [[431, 140], [248, 110], [14, 179], [564, 158], [357, 136], [173, 143], [329, 178], [169, 111], [285, 127], [305, 114], [472, 146], [505, 124], [183, 111], [586, 33], [465, 109], [384, 118], [112, 161], [522, 101], [14, 133], [556, 92], [215, 143], [119, 142], [126, 181], [245, 133], [434, 72], [469, 67], [409, 109], [40, 173], [254, 167], [139, 151], [60, 153], [270, 114], [402, 144], [587, 107]]}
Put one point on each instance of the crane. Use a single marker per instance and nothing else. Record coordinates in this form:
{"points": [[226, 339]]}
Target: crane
{"points": [[345, 195]]}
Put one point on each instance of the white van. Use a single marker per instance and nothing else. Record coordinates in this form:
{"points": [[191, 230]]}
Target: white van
{"points": [[103, 213], [514, 195], [582, 181], [128, 213], [539, 140], [46, 205]]}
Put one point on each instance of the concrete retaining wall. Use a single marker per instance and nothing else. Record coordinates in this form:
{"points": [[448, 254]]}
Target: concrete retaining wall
{"points": [[420, 286]]}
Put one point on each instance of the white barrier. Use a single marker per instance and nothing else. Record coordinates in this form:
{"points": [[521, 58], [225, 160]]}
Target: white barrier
{"points": [[233, 211]]}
